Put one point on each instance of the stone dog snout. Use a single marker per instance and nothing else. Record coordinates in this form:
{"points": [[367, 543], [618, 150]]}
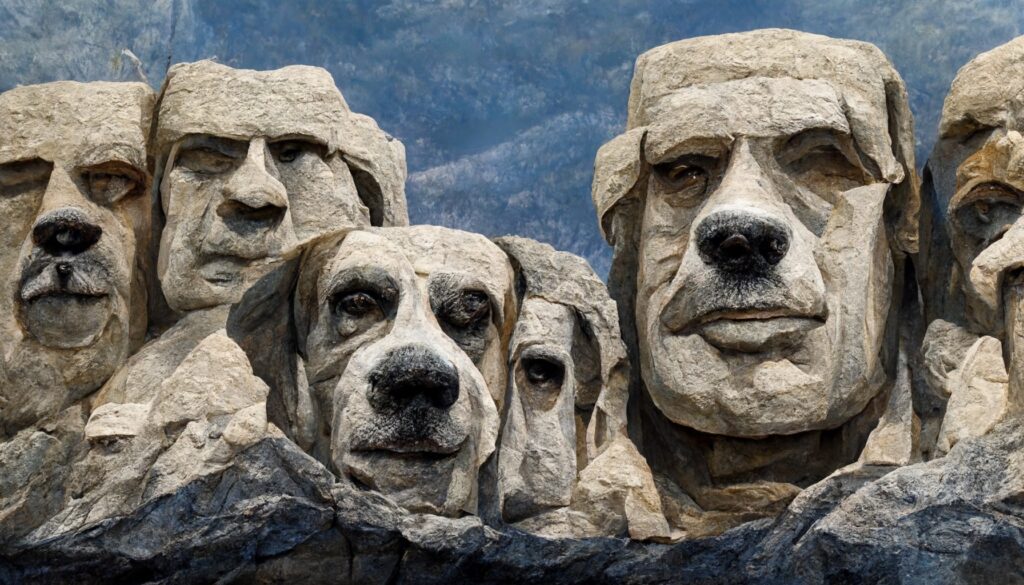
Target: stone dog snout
{"points": [[414, 387]]}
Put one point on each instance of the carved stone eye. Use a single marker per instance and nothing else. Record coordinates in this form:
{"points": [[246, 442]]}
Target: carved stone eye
{"points": [[205, 160], [686, 178], [544, 373], [109, 187], [292, 150], [468, 308], [357, 304], [990, 209]]}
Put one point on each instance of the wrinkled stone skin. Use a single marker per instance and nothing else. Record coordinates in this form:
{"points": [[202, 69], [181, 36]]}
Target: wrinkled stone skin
{"points": [[758, 261], [75, 197], [191, 466], [404, 333]]}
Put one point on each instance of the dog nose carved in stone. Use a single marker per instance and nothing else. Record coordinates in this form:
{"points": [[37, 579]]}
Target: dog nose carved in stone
{"points": [[736, 242], [65, 232], [413, 377]]}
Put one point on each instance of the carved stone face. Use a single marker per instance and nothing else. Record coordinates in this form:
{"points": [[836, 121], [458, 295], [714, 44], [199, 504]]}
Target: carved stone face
{"points": [[567, 384], [253, 167], [74, 195], [407, 333], [538, 451], [985, 228], [974, 178], [764, 271], [232, 207]]}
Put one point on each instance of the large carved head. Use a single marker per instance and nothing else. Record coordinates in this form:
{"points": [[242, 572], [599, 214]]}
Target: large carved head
{"points": [[250, 164], [404, 333], [568, 379], [74, 194], [760, 204], [972, 233]]}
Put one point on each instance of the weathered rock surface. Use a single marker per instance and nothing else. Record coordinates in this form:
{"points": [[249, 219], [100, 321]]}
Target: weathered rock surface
{"points": [[325, 401]]}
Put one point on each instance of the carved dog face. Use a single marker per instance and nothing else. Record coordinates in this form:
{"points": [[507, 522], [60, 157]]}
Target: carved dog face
{"points": [[567, 380], [764, 270], [407, 331], [253, 167], [74, 193]]}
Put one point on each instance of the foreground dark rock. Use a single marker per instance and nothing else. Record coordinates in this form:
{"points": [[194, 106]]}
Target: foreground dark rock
{"points": [[275, 515]]}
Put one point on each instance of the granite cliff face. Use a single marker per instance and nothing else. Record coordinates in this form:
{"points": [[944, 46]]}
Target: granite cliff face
{"points": [[228, 357]]}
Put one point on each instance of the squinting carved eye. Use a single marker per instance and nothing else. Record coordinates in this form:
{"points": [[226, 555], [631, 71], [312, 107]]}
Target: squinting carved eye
{"points": [[205, 160], [988, 211], [469, 308], [107, 186], [289, 151], [687, 177], [357, 304]]}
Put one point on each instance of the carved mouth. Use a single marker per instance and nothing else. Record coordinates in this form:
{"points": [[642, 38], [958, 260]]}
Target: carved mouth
{"points": [[223, 270], [755, 332]]}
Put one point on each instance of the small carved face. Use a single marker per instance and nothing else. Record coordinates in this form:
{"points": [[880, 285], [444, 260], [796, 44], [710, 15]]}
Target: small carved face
{"points": [[74, 195], [234, 205], [765, 273], [986, 228], [405, 355], [553, 369]]}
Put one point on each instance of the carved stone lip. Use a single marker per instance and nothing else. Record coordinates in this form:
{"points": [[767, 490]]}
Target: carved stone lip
{"points": [[754, 334], [219, 269], [412, 452], [80, 282]]}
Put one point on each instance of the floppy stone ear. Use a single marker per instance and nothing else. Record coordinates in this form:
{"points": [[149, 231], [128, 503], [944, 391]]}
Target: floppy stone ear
{"points": [[907, 194], [618, 169], [377, 162], [315, 254]]}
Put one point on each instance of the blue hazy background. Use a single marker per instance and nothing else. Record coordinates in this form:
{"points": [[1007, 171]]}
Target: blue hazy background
{"points": [[501, 105]]}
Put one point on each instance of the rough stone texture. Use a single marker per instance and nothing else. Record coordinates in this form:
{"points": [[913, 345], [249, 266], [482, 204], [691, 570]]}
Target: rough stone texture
{"points": [[566, 466], [74, 194], [404, 334], [759, 261], [326, 403]]}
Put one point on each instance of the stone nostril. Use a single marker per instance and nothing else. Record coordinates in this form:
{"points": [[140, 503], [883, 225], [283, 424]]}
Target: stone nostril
{"points": [[268, 214], [65, 233], [774, 248], [734, 247]]}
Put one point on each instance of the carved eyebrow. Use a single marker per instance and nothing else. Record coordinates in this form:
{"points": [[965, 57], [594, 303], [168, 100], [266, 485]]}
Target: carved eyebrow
{"points": [[445, 283], [802, 142], [353, 278], [116, 152], [17, 172], [233, 147]]}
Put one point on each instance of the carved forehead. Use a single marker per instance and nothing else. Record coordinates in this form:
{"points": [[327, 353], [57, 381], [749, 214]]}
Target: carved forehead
{"points": [[854, 67], [69, 120], [857, 71], [987, 92], [755, 107], [210, 98], [432, 250]]}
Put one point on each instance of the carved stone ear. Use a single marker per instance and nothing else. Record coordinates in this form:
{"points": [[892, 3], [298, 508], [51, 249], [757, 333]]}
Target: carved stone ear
{"points": [[305, 305], [377, 162], [617, 171], [907, 193]]}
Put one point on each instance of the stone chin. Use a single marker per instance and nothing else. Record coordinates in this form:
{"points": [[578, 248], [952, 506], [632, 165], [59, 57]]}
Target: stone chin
{"points": [[754, 377], [423, 458]]}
